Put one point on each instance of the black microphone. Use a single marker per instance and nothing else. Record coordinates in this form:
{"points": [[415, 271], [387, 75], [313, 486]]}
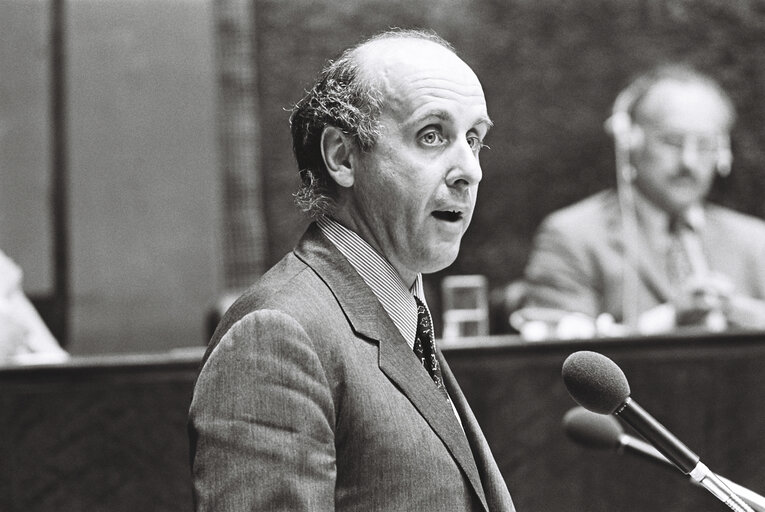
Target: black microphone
{"points": [[593, 430], [602, 432], [598, 384]]}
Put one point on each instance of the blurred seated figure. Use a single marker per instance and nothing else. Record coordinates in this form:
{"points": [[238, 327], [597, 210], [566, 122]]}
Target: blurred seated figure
{"points": [[24, 337], [653, 254]]}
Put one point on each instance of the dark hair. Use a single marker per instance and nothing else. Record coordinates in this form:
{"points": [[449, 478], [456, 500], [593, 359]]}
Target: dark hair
{"points": [[346, 98], [631, 98]]}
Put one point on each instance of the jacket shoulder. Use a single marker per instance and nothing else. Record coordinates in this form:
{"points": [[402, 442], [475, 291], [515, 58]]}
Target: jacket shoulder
{"points": [[585, 216], [734, 220], [283, 287]]}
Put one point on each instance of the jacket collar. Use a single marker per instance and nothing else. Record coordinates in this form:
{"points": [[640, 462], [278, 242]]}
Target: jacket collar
{"points": [[647, 264]]}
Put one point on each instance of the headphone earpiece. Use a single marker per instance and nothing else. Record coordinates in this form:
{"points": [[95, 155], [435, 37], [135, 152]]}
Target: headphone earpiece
{"points": [[724, 159], [627, 136], [636, 138], [618, 124]]}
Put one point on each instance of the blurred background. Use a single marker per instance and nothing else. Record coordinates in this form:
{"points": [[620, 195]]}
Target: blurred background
{"points": [[146, 159]]}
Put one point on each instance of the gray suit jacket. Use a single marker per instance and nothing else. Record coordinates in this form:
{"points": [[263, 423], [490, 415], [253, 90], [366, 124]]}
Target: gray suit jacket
{"points": [[309, 399], [577, 260]]}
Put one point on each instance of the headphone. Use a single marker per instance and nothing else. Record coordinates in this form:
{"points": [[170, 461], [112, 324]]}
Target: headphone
{"points": [[628, 136]]}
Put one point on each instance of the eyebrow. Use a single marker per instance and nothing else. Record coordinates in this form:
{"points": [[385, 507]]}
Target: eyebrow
{"points": [[446, 116], [486, 122]]}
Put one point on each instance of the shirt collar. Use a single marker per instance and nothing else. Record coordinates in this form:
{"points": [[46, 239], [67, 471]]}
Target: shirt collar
{"points": [[377, 272], [657, 220]]}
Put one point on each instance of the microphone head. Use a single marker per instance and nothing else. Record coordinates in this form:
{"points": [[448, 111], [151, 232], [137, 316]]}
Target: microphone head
{"points": [[592, 430], [595, 382]]}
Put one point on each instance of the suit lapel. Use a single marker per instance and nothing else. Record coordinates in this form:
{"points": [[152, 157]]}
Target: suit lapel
{"points": [[495, 488], [368, 319], [402, 367], [647, 262]]}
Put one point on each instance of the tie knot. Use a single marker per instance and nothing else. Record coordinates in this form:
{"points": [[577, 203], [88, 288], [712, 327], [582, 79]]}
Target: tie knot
{"points": [[424, 323], [678, 223]]}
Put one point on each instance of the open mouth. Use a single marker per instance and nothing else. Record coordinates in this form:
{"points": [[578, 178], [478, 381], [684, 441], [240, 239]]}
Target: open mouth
{"points": [[447, 215]]}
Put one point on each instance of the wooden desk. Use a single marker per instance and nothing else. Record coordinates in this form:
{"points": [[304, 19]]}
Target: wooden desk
{"points": [[97, 434], [109, 433], [706, 389]]}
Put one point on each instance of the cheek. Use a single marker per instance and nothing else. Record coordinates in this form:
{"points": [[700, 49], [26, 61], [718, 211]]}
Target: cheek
{"points": [[657, 167], [653, 158], [654, 152], [373, 182]]}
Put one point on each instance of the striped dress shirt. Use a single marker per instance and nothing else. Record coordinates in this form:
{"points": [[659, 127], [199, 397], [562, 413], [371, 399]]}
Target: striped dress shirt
{"points": [[396, 298]]}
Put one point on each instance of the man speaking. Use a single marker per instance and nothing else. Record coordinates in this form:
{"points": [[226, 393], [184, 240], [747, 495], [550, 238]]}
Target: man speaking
{"points": [[322, 388]]}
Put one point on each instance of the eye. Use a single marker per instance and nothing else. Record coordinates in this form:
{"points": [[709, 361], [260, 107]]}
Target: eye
{"points": [[705, 144], [432, 137], [672, 140], [476, 143], [709, 144]]}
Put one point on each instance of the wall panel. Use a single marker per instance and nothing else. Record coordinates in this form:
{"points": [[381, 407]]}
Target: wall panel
{"points": [[145, 192]]}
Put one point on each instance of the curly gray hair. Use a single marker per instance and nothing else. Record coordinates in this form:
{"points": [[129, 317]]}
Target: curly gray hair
{"points": [[345, 98]]}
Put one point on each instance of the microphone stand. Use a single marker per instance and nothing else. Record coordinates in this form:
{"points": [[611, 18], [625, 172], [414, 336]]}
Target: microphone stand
{"points": [[639, 447], [753, 499]]}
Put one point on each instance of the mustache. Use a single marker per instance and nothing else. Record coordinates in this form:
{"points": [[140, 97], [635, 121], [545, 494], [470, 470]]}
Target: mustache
{"points": [[686, 172]]}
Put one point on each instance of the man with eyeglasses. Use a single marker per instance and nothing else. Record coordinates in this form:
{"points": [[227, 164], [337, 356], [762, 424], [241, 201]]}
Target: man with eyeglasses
{"points": [[654, 254]]}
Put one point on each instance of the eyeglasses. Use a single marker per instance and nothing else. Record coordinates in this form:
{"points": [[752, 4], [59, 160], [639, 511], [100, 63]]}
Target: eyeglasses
{"points": [[704, 144]]}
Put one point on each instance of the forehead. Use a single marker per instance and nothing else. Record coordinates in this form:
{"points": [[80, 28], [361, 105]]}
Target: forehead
{"points": [[418, 75], [684, 106]]}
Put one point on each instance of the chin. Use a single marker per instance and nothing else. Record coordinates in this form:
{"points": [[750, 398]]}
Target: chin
{"points": [[441, 259], [680, 205]]}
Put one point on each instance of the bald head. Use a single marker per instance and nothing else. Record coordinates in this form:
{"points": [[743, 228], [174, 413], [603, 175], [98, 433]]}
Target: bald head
{"points": [[642, 98], [350, 94], [394, 63], [673, 98], [396, 48]]}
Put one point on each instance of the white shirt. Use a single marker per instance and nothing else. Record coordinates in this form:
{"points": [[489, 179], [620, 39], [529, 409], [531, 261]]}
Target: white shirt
{"points": [[655, 222]]}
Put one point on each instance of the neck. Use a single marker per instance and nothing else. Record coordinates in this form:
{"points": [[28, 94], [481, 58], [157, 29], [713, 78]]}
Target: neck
{"points": [[408, 278]]}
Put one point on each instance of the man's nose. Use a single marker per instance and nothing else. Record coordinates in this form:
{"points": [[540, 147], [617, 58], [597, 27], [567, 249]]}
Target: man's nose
{"points": [[691, 153], [465, 168]]}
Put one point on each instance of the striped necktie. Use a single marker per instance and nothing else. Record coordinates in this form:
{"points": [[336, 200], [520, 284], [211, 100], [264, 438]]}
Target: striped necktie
{"points": [[686, 254], [425, 346], [679, 267]]}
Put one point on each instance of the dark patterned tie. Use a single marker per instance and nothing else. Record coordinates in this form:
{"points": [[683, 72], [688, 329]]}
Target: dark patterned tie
{"points": [[678, 264], [425, 346]]}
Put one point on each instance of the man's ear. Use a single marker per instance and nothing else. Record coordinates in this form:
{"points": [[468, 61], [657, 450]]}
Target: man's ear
{"points": [[337, 150]]}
